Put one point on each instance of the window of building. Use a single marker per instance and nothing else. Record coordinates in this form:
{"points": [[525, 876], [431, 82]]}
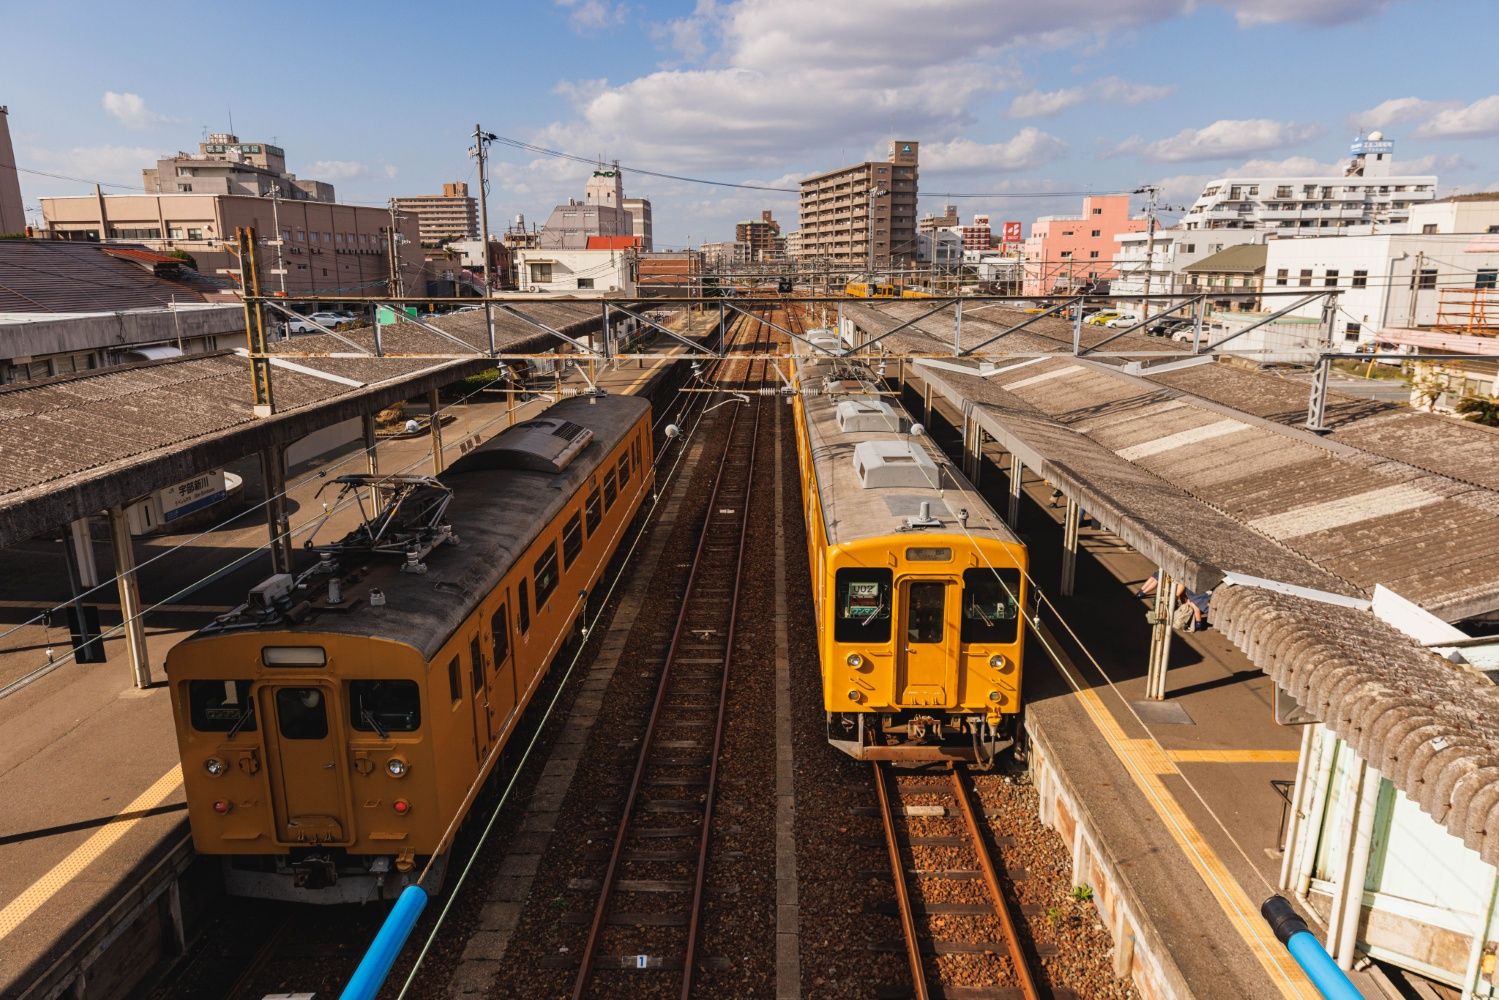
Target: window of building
{"points": [[1283, 191], [1098, 211], [572, 540], [1306, 277], [1493, 229], [1331, 281], [585, 282], [1189, 248], [174, 234], [1096, 232], [1066, 254], [1426, 279], [541, 273], [1429, 228], [545, 571], [1486, 278], [1281, 274], [141, 233], [385, 706], [1351, 331], [194, 234], [1360, 279], [1093, 254]]}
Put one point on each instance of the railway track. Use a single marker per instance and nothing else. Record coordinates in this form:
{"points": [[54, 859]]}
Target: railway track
{"points": [[957, 930], [647, 921]]}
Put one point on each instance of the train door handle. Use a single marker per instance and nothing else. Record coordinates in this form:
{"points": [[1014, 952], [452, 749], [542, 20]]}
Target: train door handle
{"points": [[329, 765]]}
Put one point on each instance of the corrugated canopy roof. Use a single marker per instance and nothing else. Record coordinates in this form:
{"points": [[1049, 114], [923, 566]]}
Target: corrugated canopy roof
{"points": [[59, 276]]}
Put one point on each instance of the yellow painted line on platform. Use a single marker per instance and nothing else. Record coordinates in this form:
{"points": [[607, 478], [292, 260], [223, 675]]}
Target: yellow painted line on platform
{"points": [[85, 854], [1234, 756], [1147, 764]]}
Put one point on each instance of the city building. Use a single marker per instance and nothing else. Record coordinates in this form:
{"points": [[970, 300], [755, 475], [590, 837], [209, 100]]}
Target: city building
{"points": [[12, 215], [760, 237], [719, 255], [1368, 194], [640, 221], [602, 212], [1239, 269], [864, 214], [1069, 252], [70, 307], [947, 220], [1171, 251], [674, 274], [977, 236], [940, 247], [794, 244], [325, 248], [442, 218], [225, 165], [602, 269]]}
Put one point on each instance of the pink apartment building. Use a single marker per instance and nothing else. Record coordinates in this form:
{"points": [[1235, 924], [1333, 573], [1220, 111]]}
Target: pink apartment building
{"points": [[1064, 253]]}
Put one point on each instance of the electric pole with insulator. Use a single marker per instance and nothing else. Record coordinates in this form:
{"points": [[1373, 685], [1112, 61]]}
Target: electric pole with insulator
{"points": [[482, 139]]}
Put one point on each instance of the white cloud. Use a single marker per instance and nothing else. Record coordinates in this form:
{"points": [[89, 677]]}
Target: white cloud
{"points": [[1481, 118], [1222, 139], [390, 170], [1041, 104], [1291, 166], [689, 36], [1030, 147], [1253, 13], [131, 111], [119, 166], [336, 170], [1397, 111], [592, 15]]}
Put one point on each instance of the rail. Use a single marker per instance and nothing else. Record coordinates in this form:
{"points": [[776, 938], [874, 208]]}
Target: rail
{"points": [[1019, 974]]}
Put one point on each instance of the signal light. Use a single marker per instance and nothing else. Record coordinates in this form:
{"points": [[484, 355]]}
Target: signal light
{"points": [[401, 806], [222, 807]]}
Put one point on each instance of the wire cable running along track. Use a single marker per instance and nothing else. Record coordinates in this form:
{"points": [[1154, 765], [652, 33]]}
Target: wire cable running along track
{"points": [[665, 826], [942, 868]]}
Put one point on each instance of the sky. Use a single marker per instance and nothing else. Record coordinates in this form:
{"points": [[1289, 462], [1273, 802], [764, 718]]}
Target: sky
{"points": [[1020, 107]]}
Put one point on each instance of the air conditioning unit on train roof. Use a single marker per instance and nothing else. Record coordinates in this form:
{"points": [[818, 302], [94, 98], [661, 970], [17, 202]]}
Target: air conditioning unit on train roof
{"points": [[901, 462], [867, 413], [546, 444]]}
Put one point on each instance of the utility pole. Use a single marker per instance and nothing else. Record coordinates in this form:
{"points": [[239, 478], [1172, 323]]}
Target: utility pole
{"points": [[393, 249], [482, 139], [276, 222], [1152, 192]]}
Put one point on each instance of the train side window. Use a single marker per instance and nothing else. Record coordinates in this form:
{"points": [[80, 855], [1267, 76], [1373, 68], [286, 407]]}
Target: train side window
{"points": [[546, 575], [221, 706], [572, 540], [476, 663], [991, 605], [386, 706], [301, 713], [499, 631], [523, 607], [610, 492], [593, 510], [861, 608], [624, 470], [927, 611], [455, 681]]}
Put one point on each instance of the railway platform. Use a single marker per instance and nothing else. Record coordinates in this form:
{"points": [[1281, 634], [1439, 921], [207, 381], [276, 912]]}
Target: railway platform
{"points": [[96, 865]]}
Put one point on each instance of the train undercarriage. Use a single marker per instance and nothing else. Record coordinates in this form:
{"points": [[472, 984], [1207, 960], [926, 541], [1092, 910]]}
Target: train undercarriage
{"points": [[916, 736]]}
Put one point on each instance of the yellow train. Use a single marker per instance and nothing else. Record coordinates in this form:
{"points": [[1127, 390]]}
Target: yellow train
{"points": [[871, 290], [918, 586], [334, 729]]}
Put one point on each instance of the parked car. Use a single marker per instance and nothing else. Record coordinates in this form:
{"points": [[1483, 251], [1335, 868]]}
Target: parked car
{"points": [[1123, 319], [330, 320], [1167, 326], [1100, 318]]}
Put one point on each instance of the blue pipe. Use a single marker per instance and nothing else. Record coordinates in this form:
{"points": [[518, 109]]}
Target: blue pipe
{"points": [[375, 966], [1314, 960]]}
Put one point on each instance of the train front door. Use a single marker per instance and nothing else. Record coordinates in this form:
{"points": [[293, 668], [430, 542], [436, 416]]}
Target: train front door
{"points": [[307, 769], [922, 651]]}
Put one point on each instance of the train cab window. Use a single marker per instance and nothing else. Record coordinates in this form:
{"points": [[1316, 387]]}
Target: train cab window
{"points": [[221, 706], [610, 492], [546, 575], [991, 605], [862, 605], [593, 510], [926, 607], [624, 470], [499, 633], [385, 706], [523, 608], [301, 713], [455, 681], [572, 540]]}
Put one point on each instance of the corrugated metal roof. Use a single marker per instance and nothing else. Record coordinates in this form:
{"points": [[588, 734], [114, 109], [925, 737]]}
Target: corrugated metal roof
{"points": [[1246, 258], [66, 277]]}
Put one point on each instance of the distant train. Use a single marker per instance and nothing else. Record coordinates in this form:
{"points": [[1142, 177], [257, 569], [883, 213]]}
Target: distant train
{"points": [[333, 728], [918, 586], [882, 290]]}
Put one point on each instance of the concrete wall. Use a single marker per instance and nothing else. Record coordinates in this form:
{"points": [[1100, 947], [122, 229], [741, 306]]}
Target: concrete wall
{"points": [[12, 217], [50, 333]]}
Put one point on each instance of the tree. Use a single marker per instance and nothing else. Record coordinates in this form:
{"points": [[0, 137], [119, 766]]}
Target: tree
{"points": [[1479, 409], [185, 257]]}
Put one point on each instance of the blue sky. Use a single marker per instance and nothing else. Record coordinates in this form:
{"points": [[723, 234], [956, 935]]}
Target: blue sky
{"points": [[1007, 97]]}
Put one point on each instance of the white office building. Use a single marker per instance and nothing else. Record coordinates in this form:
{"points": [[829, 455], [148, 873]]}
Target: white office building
{"points": [[1368, 194]]}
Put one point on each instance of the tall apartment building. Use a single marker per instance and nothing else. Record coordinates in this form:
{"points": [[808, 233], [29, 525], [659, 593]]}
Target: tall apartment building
{"points": [[862, 213], [640, 221], [442, 218], [1369, 192], [12, 216], [977, 236], [761, 237], [1068, 252], [224, 165]]}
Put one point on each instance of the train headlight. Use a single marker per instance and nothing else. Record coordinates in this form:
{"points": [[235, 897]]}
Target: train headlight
{"points": [[995, 696], [396, 767], [998, 662], [855, 660], [854, 696], [215, 766]]}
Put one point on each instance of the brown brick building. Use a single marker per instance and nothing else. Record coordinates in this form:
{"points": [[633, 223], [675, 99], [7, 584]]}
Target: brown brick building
{"points": [[849, 211]]}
